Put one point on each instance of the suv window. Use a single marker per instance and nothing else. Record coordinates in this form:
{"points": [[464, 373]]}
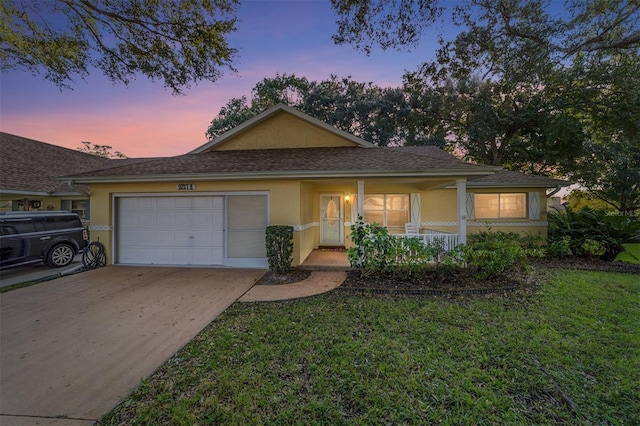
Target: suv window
{"points": [[18, 226], [63, 222]]}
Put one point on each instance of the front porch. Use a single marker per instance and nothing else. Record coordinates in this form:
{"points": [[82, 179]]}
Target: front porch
{"points": [[327, 260]]}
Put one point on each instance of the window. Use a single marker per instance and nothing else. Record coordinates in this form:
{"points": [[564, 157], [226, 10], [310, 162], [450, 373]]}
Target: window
{"points": [[386, 209], [499, 206], [80, 207]]}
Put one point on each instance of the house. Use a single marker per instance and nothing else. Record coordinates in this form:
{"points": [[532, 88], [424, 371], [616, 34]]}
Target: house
{"points": [[30, 169], [212, 205], [29, 172]]}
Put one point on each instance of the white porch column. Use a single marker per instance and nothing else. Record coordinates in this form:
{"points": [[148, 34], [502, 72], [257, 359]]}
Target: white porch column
{"points": [[461, 185], [360, 199]]}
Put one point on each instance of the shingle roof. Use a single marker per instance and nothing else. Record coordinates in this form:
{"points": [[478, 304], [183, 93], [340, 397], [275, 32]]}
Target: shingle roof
{"points": [[428, 150], [506, 177], [343, 161], [28, 165]]}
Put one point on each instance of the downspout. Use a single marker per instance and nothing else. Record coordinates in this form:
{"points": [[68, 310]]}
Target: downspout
{"points": [[73, 186]]}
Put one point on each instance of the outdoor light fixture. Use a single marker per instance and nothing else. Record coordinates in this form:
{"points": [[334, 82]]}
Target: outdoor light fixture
{"points": [[347, 198]]}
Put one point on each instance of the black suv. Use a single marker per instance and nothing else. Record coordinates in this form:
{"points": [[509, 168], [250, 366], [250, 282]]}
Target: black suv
{"points": [[30, 237]]}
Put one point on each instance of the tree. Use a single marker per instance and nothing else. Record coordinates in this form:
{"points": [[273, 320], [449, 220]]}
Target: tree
{"points": [[580, 200], [584, 26], [375, 114], [100, 150], [609, 108], [175, 41], [500, 90]]}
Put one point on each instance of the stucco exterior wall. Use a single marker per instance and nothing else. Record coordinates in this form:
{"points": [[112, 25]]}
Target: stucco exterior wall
{"points": [[284, 203], [283, 130], [297, 203]]}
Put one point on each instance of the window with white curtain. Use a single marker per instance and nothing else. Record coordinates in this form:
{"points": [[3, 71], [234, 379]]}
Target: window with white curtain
{"points": [[500, 206], [390, 210]]}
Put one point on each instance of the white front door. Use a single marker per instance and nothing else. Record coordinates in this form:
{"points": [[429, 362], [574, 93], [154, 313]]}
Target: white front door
{"points": [[331, 220]]}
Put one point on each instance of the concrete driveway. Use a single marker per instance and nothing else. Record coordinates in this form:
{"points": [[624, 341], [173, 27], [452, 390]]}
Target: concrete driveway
{"points": [[70, 349]]}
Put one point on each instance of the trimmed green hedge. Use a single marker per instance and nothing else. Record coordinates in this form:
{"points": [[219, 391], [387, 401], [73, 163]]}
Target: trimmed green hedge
{"points": [[279, 240]]}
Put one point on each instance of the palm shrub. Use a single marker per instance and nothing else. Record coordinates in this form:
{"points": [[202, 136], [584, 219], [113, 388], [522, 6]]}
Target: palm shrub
{"points": [[279, 241], [593, 232]]}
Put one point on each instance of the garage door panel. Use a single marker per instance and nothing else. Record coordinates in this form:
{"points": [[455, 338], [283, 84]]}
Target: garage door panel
{"points": [[190, 230], [204, 239], [146, 203], [165, 218], [184, 219], [171, 230], [177, 256], [181, 202], [204, 255], [213, 218]]}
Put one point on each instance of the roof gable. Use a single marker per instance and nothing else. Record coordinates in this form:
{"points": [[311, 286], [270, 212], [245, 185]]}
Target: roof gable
{"points": [[282, 127]]}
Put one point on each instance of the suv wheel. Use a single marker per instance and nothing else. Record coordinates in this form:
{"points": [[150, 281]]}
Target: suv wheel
{"points": [[61, 255]]}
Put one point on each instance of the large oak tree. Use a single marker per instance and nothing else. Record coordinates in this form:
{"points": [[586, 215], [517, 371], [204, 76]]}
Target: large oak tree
{"points": [[177, 42]]}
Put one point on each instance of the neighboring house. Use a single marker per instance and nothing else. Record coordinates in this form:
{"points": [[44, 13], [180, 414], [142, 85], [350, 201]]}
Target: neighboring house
{"points": [[28, 176], [211, 206]]}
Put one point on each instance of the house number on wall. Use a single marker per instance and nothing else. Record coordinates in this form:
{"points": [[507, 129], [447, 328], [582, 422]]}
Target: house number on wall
{"points": [[186, 187]]}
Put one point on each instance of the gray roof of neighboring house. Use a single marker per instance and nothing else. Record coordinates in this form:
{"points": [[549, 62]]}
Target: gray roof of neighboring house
{"points": [[30, 166], [292, 162]]}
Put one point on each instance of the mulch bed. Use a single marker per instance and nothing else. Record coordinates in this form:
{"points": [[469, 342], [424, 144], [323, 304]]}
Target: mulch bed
{"points": [[452, 282], [431, 281], [586, 264], [293, 276]]}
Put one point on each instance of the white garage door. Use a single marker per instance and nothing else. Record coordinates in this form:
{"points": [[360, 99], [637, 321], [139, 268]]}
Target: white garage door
{"points": [[171, 230]]}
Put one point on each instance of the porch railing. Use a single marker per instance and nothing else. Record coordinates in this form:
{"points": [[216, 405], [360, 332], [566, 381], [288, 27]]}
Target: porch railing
{"points": [[431, 237]]}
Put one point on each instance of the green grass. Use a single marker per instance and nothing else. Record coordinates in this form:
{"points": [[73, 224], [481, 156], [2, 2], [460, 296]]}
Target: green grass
{"points": [[567, 353], [631, 253]]}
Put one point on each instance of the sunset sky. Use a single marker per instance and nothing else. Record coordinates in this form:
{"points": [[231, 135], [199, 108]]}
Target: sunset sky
{"points": [[144, 119]]}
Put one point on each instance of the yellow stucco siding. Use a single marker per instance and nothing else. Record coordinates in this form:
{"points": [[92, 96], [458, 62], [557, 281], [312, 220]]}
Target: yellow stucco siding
{"points": [[297, 203], [284, 201], [283, 130], [439, 205]]}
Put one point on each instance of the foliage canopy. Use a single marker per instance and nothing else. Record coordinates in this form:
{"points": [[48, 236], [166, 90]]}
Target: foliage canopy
{"points": [[178, 42]]}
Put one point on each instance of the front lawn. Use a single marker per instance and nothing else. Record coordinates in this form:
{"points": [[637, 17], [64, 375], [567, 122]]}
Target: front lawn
{"points": [[631, 253], [569, 352]]}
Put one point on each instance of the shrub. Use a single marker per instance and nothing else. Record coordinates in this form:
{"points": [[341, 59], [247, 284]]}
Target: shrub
{"points": [[279, 241], [375, 250], [593, 232], [593, 248], [493, 254], [559, 247], [533, 245]]}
